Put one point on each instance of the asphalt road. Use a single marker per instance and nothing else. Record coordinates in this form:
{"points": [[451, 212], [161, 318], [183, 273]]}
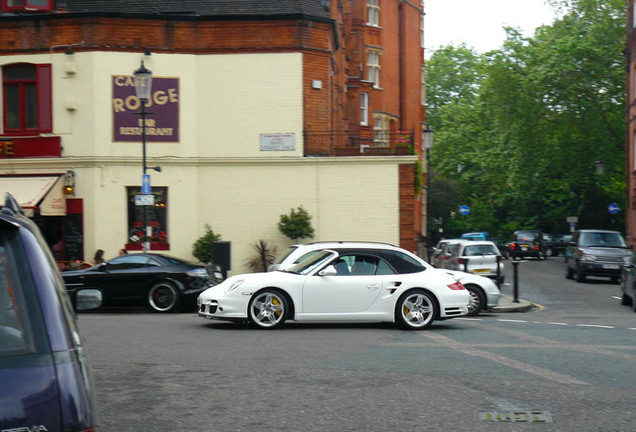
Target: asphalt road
{"points": [[567, 365]]}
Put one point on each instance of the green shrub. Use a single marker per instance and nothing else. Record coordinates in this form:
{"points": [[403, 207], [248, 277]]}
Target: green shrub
{"points": [[296, 225], [202, 248]]}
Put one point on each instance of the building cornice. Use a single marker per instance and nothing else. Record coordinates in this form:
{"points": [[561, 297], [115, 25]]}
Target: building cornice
{"points": [[8, 166]]}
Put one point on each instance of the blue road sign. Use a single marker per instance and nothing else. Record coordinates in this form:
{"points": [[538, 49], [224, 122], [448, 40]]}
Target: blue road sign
{"points": [[145, 184], [613, 208], [464, 210]]}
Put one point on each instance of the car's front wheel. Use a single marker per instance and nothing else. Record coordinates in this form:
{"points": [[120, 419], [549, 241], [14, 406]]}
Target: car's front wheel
{"points": [[416, 310], [477, 301], [268, 309], [163, 297]]}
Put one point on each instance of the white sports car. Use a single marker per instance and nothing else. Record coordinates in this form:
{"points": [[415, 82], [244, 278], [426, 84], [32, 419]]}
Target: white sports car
{"points": [[484, 293], [368, 285]]}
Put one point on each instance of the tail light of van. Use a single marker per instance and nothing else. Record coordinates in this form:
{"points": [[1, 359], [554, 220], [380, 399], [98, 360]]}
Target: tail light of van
{"points": [[461, 260]]}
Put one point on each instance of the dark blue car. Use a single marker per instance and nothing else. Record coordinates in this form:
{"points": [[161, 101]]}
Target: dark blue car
{"points": [[45, 383]]}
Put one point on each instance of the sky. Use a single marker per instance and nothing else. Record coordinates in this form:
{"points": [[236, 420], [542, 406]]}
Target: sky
{"points": [[479, 23]]}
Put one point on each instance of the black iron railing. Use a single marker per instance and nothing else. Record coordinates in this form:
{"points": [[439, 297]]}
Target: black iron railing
{"points": [[359, 143]]}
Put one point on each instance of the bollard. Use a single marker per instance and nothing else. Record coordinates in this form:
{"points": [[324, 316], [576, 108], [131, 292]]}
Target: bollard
{"points": [[465, 264], [499, 272], [515, 287]]}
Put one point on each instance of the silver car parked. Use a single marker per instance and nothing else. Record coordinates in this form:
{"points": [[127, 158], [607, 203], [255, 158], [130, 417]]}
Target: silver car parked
{"points": [[478, 257]]}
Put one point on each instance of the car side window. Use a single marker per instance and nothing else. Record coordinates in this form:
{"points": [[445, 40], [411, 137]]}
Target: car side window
{"points": [[128, 262], [13, 336]]}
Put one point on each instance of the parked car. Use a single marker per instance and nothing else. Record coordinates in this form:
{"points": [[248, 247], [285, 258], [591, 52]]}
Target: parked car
{"points": [[527, 243], [359, 284], [45, 381], [596, 253], [163, 283], [561, 243], [628, 284], [442, 252], [548, 241], [484, 293], [479, 257]]}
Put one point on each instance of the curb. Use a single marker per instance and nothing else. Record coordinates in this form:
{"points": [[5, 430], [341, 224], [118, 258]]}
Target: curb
{"points": [[506, 305]]}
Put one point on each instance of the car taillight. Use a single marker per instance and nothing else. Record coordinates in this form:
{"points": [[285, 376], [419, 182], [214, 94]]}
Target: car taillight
{"points": [[461, 260], [536, 247], [512, 245], [457, 286]]}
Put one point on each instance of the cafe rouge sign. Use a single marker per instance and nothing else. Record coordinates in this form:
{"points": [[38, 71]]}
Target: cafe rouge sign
{"points": [[162, 119]]}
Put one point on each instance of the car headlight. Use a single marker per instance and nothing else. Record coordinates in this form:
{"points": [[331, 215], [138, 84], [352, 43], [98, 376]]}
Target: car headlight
{"points": [[235, 285], [199, 272], [587, 257]]}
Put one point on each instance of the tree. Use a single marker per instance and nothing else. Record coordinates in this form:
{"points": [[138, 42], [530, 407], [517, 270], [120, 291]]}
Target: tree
{"points": [[528, 121], [296, 225], [202, 248]]}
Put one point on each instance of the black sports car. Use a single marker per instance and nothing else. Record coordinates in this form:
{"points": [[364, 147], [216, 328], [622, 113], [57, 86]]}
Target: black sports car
{"points": [[162, 282]]}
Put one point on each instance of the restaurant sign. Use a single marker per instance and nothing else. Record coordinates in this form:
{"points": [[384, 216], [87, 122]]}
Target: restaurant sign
{"points": [[162, 120]]}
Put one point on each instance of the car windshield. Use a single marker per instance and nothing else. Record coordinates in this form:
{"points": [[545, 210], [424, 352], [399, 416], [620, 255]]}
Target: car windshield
{"points": [[480, 250], [526, 235], [282, 257], [310, 264], [602, 239]]}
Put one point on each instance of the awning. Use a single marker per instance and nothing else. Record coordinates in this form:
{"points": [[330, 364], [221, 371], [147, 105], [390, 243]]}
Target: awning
{"points": [[31, 192]]}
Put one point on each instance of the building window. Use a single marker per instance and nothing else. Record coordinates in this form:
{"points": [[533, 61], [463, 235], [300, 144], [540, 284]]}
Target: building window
{"points": [[27, 5], [381, 129], [26, 93], [373, 68], [155, 215], [364, 109], [373, 13]]}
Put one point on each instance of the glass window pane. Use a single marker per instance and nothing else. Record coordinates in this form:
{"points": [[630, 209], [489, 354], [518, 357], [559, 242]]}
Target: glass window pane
{"points": [[31, 108], [12, 106], [26, 72]]}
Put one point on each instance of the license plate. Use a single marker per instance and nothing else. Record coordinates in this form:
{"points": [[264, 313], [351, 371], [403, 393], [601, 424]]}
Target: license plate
{"points": [[524, 248], [610, 266], [482, 270]]}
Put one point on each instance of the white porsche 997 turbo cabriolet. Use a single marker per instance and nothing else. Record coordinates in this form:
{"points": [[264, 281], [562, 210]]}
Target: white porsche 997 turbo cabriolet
{"points": [[379, 285]]}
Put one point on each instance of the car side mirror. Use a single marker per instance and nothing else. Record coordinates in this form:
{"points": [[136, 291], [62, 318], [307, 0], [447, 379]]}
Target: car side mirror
{"points": [[329, 271], [87, 299]]}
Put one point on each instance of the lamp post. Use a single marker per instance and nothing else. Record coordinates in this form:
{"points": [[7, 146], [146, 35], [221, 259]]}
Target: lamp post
{"points": [[428, 136], [600, 170], [143, 87]]}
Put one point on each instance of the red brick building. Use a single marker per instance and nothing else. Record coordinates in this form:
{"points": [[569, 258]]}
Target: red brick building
{"points": [[362, 65]]}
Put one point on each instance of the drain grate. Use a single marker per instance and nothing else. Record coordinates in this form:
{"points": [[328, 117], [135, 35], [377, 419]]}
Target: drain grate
{"points": [[533, 416]]}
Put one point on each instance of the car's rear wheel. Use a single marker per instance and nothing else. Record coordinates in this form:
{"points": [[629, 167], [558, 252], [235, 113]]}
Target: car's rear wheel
{"points": [[580, 276], [268, 309], [416, 310], [477, 301], [163, 297]]}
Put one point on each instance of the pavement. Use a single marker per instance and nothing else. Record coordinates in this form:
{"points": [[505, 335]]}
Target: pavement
{"points": [[507, 304]]}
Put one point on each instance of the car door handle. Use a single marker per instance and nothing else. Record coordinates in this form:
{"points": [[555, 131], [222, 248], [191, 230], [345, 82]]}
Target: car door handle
{"points": [[373, 286]]}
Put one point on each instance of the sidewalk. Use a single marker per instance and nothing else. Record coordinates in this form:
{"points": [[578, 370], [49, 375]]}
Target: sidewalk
{"points": [[506, 304]]}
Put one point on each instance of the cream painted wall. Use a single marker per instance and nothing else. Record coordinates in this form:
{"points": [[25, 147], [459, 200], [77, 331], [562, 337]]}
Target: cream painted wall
{"points": [[216, 174]]}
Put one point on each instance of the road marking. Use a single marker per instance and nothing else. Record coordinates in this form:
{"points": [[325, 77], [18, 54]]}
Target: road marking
{"points": [[558, 323], [544, 373], [511, 320], [596, 326]]}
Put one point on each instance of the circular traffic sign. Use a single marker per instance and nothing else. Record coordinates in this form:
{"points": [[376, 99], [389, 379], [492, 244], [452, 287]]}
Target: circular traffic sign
{"points": [[613, 208], [464, 210]]}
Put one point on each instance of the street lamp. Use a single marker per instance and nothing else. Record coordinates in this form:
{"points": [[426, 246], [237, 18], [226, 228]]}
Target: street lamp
{"points": [[143, 87], [600, 170], [428, 136]]}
